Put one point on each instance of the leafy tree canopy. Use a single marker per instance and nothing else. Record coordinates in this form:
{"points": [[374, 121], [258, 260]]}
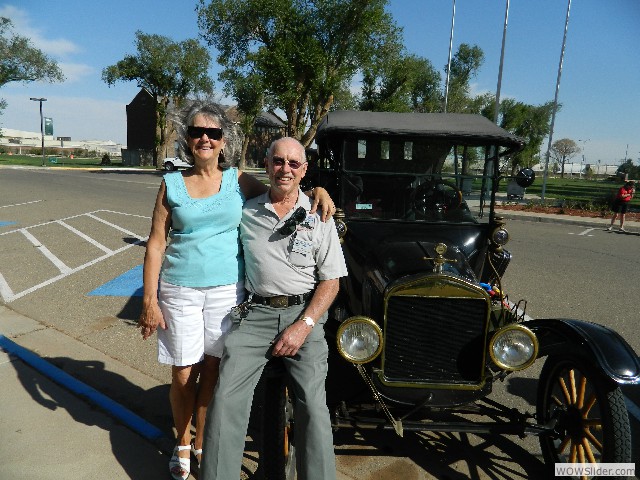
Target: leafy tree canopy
{"points": [[403, 84], [304, 52], [531, 122], [20, 61], [168, 70]]}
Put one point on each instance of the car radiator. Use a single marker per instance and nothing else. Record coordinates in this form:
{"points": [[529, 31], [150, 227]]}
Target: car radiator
{"points": [[434, 340]]}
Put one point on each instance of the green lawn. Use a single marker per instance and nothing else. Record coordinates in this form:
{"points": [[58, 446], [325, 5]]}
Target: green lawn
{"points": [[578, 190]]}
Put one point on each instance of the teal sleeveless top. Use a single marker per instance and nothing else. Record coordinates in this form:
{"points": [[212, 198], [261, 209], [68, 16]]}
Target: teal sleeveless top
{"points": [[204, 246]]}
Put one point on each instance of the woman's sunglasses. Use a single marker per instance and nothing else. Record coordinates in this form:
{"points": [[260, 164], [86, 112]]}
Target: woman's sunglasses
{"points": [[213, 133], [290, 224], [293, 164]]}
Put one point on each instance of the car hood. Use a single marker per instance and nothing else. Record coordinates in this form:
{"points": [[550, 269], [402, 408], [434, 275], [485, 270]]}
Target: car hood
{"points": [[406, 249]]}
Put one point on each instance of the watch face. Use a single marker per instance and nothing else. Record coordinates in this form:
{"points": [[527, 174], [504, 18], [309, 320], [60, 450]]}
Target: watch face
{"points": [[309, 321]]}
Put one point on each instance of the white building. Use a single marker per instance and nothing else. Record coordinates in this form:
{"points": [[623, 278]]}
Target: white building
{"points": [[20, 142]]}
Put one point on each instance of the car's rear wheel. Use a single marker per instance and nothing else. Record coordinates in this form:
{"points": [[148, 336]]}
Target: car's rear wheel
{"points": [[278, 438], [168, 166], [592, 419]]}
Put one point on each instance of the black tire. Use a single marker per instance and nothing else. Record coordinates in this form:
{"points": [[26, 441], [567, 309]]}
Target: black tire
{"points": [[593, 423], [278, 440], [169, 167]]}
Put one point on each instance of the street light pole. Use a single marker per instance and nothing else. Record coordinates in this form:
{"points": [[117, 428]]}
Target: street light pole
{"points": [[41, 123], [583, 159]]}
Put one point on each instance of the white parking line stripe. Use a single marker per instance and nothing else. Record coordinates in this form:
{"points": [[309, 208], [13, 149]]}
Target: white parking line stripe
{"points": [[86, 237], [5, 291], [77, 269], [46, 252], [19, 204], [115, 226]]}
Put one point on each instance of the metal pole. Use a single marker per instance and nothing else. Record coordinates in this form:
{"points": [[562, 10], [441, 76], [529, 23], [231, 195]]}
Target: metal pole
{"points": [[504, 38], [446, 88], [41, 124], [555, 104]]}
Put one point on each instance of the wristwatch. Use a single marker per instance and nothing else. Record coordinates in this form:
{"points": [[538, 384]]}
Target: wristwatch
{"points": [[309, 321]]}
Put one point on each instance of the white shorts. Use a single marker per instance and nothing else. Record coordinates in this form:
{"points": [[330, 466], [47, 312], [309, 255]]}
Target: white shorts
{"points": [[197, 321]]}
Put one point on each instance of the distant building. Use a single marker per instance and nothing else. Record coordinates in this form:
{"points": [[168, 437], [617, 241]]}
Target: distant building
{"points": [[141, 129], [23, 142]]}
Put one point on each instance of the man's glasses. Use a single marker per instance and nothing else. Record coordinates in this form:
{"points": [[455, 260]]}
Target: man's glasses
{"points": [[213, 133], [293, 221], [293, 164]]}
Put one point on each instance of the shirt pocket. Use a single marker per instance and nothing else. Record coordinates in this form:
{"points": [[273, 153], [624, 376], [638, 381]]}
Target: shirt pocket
{"points": [[301, 249]]}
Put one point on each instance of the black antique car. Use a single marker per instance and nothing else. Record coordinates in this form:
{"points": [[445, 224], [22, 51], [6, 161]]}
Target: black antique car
{"points": [[422, 315]]}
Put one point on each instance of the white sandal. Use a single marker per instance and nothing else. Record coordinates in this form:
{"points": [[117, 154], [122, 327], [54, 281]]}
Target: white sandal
{"points": [[180, 468], [196, 452]]}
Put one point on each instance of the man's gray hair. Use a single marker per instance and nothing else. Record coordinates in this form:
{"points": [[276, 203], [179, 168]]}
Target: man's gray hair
{"points": [[272, 147]]}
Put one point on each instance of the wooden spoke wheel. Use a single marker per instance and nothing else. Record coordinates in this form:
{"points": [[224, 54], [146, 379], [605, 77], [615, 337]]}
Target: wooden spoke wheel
{"points": [[592, 420]]}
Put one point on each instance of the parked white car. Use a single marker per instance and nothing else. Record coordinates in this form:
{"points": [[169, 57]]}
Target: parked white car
{"points": [[173, 163]]}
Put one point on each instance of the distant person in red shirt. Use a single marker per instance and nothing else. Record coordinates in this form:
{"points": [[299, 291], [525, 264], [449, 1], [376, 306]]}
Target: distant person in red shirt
{"points": [[621, 203]]}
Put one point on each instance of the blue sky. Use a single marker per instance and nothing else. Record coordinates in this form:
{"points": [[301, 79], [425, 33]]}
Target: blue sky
{"points": [[599, 87]]}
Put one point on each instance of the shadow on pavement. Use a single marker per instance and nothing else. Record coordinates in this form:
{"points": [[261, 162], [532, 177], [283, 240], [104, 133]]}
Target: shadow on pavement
{"points": [[53, 396]]}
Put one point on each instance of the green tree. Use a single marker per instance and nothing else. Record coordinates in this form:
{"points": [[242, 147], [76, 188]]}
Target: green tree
{"points": [[248, 92], [168, 70], [402, 84], [563, 150], [465, 65], [20, 61], [304, 51], [627, 167], [530, 122]]}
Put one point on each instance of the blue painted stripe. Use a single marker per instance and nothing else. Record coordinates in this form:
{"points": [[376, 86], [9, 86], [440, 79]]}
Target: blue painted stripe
{"points": [[112, 407], [129, 284], [4, 224]]}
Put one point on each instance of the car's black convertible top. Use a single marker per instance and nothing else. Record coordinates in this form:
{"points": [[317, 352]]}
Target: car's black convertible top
{"points": [[458, 127]]}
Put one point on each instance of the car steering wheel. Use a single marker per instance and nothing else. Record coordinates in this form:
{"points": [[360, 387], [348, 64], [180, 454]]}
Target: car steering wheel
{"points": [[434, 198]]}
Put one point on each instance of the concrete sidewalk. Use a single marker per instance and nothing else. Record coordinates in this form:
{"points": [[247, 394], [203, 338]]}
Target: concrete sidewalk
{"points": [[55, 427]]}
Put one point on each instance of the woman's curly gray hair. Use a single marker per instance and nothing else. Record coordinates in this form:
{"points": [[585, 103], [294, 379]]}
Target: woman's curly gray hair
{"points": [[214, 112]]}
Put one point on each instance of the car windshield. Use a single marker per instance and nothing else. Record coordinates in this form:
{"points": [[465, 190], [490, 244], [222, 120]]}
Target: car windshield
{"points": [[415, 179]]}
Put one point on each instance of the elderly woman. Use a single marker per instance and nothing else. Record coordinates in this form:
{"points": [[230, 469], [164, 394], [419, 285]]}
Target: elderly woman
{"points": [[191, 284]]}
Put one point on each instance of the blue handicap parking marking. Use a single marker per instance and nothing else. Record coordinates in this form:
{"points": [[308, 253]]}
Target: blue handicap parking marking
{"points": [[4, 224], [129, 284]]}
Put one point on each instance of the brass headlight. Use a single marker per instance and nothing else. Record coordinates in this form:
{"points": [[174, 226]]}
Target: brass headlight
{"points": [[359, 339], [500, 236], [513, 347]]}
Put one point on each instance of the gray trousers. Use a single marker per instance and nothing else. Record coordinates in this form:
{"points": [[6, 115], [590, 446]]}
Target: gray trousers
{"points": [[247, 350]]}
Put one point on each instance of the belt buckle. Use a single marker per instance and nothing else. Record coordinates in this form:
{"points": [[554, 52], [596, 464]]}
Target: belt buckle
{"points": [[280, 301]]}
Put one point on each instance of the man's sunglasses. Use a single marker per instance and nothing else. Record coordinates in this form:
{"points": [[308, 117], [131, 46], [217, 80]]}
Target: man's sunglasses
{"points": [[213, 133], [293, 164], [293, 221]]}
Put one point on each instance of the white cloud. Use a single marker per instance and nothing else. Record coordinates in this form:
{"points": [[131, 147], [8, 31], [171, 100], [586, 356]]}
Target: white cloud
{"points": [[57, 47], [75, 72]]}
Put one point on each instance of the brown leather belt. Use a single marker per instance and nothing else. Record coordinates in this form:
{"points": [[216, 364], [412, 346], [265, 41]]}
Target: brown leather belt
{"points": [[280, 301]]}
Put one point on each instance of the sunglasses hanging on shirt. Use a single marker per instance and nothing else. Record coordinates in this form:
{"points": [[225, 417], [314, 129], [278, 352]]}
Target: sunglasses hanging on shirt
{"points": [[293, 221]]}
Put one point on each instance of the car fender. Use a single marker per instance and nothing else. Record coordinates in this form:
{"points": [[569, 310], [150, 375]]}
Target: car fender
{"points": [[603, 346]]}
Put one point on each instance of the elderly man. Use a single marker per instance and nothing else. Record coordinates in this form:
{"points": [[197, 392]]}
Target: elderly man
{"points": [[293, 265]]}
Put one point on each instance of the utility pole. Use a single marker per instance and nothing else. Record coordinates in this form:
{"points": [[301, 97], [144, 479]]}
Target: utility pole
{"points": [[41, 124]]}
